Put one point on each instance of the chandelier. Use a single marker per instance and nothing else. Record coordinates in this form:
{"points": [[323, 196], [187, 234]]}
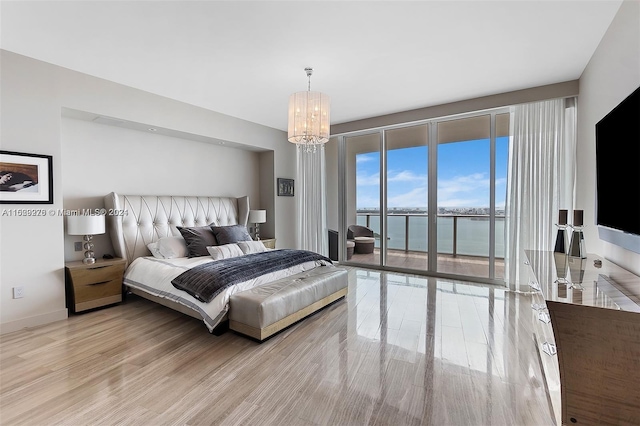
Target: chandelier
{"points": [[309, 117]]}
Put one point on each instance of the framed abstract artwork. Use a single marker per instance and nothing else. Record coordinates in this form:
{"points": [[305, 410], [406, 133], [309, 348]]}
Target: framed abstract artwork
{"points": [[26, 178], [285, 187]]}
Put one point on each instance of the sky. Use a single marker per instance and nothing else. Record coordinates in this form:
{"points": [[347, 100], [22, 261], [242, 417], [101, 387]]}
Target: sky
{"points": [[463, 176]]}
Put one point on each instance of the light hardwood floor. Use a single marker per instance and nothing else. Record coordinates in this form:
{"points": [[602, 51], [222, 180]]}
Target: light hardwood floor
{"points": [[399, 350]]}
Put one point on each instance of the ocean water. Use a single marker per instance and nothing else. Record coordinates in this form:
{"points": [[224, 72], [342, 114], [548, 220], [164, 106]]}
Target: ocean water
{"points": [[473, 233]]}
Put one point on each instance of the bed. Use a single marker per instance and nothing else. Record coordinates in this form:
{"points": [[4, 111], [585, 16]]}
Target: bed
{"points": [[135, 221]]}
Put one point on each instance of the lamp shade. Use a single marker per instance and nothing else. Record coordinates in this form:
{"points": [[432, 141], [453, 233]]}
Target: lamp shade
{"points": [[257, 216], [578, 217], [308, 118], [85, 225], [562, 217]]}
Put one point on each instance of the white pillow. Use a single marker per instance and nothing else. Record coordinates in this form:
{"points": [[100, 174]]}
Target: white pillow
{"points": [[224, 251], [249, 247], [171, 247], [168, 248], [153, 248]]}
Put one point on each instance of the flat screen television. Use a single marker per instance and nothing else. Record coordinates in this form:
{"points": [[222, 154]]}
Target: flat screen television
{"points": [[618, 170]]}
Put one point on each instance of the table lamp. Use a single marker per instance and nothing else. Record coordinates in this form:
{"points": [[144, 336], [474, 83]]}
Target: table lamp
{"points": [[87, 225], [257, 217]]}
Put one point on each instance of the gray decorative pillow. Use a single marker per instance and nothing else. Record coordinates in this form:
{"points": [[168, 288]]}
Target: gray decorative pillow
{"points": [[197, 239], [230, 234]]}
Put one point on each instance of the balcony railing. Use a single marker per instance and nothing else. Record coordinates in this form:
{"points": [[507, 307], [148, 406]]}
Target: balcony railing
{"points": [[466, 234]]}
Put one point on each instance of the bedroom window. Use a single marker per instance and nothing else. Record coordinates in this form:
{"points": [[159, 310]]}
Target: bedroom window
{"points": [[433, 187]]}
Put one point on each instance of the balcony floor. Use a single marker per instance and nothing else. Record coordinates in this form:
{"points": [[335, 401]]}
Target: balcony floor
{"points": [[472, 266]]}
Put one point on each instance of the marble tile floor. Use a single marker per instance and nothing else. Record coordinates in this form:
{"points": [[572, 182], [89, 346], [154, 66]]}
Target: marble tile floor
{"points": [[399, 350]]}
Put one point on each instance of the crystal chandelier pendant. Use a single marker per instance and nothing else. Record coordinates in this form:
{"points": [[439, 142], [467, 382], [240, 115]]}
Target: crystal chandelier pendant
{"points": [[309, 115]]}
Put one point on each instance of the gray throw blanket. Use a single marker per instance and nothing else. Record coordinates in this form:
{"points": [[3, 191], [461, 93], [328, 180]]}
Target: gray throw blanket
{"points": [[204, 282]]}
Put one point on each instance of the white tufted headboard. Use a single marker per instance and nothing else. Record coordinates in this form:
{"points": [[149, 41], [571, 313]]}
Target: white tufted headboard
{"points": [[133, 221]]}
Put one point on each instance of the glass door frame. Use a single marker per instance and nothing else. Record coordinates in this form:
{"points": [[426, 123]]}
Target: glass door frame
{"points": [[342, 196]]}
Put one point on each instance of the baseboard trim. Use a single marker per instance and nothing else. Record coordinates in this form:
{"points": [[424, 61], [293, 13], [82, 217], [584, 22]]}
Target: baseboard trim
{"points": [[11, 326]]}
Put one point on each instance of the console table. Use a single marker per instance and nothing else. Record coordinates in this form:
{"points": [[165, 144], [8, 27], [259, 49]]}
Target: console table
{"points": [[587, 326]]}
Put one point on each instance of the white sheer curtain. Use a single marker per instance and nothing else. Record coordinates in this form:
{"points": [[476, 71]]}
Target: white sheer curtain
{"points": [[312, 227], [541, 178]]}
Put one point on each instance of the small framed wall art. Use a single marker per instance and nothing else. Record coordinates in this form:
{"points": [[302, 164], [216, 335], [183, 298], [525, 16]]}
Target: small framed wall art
{"points": [[285, 187], [26, 178]]}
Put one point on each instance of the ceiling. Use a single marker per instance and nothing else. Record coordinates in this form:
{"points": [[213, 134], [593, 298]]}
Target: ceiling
{"points": [[372, 58]]}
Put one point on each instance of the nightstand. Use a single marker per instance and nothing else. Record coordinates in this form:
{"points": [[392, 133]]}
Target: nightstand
{"points": [[95, 285], [269, 243]]}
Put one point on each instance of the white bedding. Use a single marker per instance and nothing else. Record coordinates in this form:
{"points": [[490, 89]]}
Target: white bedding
{"points": [[154, 276]]}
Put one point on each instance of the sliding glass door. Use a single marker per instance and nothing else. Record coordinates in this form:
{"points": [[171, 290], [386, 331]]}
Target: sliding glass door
{"points": [[469, 214], [363, 198], [432, 195], [407, 196]]}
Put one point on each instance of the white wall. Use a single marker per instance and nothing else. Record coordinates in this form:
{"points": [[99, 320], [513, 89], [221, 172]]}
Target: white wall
{"points": [[98, 159], [31, 248], [611, 75], [33, 95], [267, 195]]}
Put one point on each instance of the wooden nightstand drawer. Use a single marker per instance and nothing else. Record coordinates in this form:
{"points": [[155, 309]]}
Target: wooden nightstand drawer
{"points": [[92, 286], [95, 273], [97, 290]]}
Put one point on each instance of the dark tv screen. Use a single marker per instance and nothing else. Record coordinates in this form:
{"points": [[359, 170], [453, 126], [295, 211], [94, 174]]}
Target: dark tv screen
{"points": [[618, 167]]}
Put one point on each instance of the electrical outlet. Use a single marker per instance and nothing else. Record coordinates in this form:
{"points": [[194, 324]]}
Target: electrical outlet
{"points": [[77, 246], [18, 292]]}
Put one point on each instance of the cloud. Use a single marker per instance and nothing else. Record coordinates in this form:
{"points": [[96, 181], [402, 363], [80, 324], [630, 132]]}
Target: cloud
{"points": [[365, 179], [469, 183], [364, 158], [464, 191], [405, 176], [417, 197], [463, 202], [368, 201], [408, 189]]}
